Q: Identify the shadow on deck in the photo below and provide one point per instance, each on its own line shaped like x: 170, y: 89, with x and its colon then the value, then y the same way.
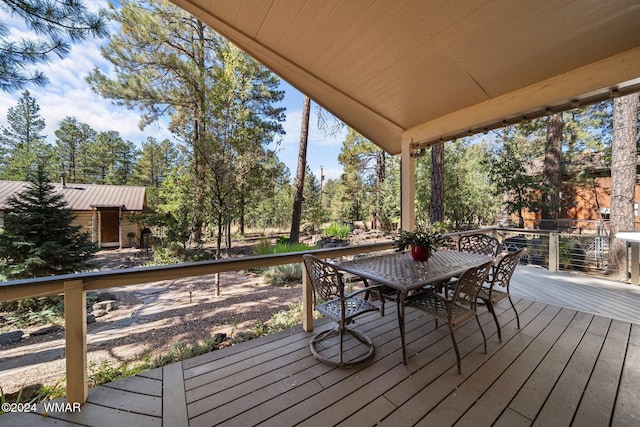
x: 563, y: 367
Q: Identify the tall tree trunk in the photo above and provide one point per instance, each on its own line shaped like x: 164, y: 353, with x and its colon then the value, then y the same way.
x: 381, y: 171
x: 624, y: 155
x: 551, y: 172
x: 296, y: 217
x: 436, y: 210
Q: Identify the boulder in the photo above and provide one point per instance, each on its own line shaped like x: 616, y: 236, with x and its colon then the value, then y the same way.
x: 106, y: 296
x: 10, y: 337
x: 47, y: 330
x: 107, y: 306
x: 99, y: 313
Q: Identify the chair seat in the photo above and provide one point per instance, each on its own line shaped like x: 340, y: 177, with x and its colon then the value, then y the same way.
x: 353, y: 307
x: 496, y: 295
x: 436, y: 307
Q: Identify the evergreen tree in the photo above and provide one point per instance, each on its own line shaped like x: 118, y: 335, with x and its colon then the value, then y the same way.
x: 73, y: 139
x: 50, y: 21
x: 22, y: 144
x: 39, y: 238
x: 312, y: 211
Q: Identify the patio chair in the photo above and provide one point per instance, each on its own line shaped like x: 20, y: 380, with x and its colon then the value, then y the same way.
x: 479, y: 244
x: 330, y: 299
x: 498, y: 286
x: 456, y: 308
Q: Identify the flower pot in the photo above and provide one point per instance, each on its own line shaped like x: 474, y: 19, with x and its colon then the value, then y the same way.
x: 420, y: 253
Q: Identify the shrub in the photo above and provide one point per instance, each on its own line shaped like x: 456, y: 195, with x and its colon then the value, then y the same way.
x: 34, y: 311
x: 337, y: 230
x: 264, y: 247
x: 283, y: 319
x: 282, y: 275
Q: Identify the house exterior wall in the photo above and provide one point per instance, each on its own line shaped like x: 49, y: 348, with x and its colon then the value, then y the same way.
x: 584, y: 205
x: 89, y: 221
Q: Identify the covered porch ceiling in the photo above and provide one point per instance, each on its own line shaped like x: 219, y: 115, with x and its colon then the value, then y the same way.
x: 423, y: 71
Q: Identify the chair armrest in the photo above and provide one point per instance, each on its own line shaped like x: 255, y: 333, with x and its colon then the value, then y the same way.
x: 365, y: 290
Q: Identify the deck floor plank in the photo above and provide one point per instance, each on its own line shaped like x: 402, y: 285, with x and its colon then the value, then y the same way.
x: 564, y: 399
x: 126, y: 401
x: 627, y: 410
x: 599, y: 397
x: 138, y: 384
x: 98, y: 415
x: 532, y: 396
x: 174, y: 404
x: 420, y: 393
x: 493, y: 402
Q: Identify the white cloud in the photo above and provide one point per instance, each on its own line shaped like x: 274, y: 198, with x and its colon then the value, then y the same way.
x: 69, y: 95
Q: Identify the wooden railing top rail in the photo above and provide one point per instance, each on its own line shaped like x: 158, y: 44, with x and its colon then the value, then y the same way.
x: 51, y: 285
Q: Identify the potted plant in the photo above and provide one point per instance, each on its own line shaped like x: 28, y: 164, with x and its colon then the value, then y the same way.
x: 422, y: 243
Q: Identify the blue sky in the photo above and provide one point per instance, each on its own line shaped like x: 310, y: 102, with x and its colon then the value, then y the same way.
x: 68, y: 94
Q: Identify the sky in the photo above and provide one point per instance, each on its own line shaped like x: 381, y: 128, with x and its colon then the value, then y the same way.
x: 68, y: 94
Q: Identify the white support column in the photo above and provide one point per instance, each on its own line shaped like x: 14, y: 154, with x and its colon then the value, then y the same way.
x: 307, y: 301
x: 554, y: 252
x: 635, y: 263
x: 75, y: 316
x: 407, y: 188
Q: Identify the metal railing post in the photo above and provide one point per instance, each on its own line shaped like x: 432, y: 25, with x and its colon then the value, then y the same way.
x: 75, y: 315
x: 554, y: 252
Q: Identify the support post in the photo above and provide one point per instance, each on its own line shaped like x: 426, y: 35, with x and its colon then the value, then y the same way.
x: 554, y: 252
x: 407, y: 188
x: 635, y: 263
x: 75, y: 316
x: 307, y: 301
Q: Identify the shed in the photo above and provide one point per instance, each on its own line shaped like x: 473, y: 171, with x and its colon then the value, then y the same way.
x: 104, y: 211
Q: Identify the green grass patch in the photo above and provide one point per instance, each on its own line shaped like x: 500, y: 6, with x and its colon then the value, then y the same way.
x: 337, y: 230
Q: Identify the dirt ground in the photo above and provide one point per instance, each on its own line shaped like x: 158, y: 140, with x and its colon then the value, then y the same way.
x: 150, y: 318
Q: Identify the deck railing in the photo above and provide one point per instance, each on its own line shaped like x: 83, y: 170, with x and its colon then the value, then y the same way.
x: 75, y: 286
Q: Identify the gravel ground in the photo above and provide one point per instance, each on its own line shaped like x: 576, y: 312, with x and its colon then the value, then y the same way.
x: 149, y: 319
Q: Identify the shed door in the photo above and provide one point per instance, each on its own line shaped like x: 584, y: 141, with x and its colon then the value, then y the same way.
x: 109, y: 226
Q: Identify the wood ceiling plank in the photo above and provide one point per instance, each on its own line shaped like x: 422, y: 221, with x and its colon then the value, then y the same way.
x: 311, y: 17
x: 225, y: 10
x: 367, y: 25
x: 560, y: 88
x: 278, y: 21
x: 252, y: 13
x: 565, y: 38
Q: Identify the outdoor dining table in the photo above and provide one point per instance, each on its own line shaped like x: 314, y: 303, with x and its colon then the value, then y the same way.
x: 400, y: 272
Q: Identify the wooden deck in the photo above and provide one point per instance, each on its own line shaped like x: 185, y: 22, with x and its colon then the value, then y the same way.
x: 563, y: 367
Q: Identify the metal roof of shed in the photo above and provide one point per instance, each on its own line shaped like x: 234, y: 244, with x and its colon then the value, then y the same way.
x: 85, y: 197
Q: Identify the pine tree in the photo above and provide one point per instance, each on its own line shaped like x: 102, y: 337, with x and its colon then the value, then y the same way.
x: 53, y: 25
x: 39, y: 238
x: 23, y: 145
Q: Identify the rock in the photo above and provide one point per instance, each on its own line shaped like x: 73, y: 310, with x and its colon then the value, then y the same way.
x: 107, y: 306
x: 91, y: 319
x: 10, y: 337
x: 99, y: 312
x: 106, y: 296
x: 243, y: 336
x: 47, y: 330
x: 26, y: 394
x: 219, y: 337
